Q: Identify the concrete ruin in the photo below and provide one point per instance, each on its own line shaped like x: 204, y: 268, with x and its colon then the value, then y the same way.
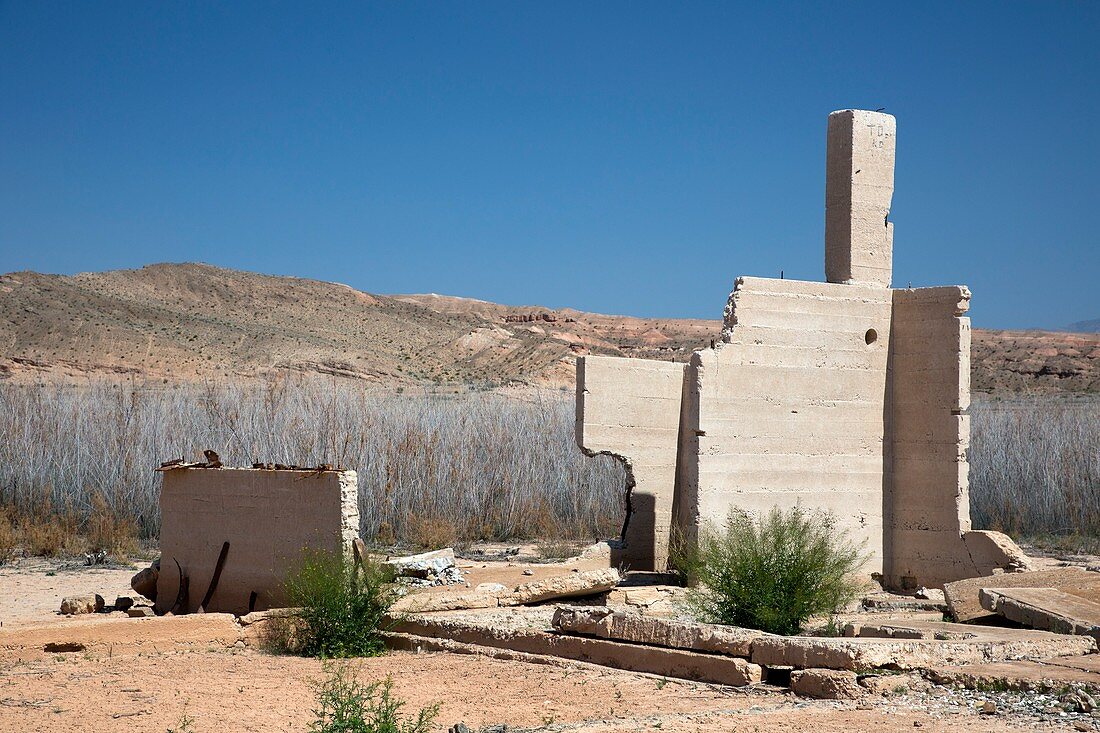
x: 235, y: 533
x: 846, y: 395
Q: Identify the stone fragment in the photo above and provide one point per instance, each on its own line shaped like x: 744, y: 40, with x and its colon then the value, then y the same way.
x: 965, y: 604
x: 424, y: 565
x: 123, y: 603
x: 826, y: 684
x: 1048, y: 609
x: 573, y: 585
x: 490, y: 588
x: 602, y: 622
x: 140, y: 612
x: 74, y: 605
x: 145, y: 581
x: 931, y: 594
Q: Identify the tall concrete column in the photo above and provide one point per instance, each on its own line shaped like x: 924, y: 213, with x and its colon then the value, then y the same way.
x: 859, y: 188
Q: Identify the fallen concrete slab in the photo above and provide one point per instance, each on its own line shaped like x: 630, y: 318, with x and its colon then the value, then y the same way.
x: 857, y: 654
x: 1048, y: 609
x: 965, y: 605
x: 571, y: 585
x: 826, y: 684
x: 529, y: 633
x: 604, y: 623
x: 1039, y: 675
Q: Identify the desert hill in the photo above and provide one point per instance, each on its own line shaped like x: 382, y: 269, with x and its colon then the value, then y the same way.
x: 187, y: 322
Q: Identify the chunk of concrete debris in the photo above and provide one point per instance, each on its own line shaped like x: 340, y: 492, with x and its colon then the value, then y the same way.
x: 1048, y: 609
x: 826, y: 684
x: 963, y: 595
x: 140, y: 612
x: 604, y: 623
x: 74, y: 605
x: 123, y: 603
x: 145, y: 581
x: 573, y: 585
x: 423, y: 565
x: 428, y: 569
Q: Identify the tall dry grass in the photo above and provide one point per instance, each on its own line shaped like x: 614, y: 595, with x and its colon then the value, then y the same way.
x: 1035, y: 466
x: 433, y: 469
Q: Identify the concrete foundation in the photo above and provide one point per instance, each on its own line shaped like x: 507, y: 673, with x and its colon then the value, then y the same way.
x: 846, y: 396
x: 267, y: 517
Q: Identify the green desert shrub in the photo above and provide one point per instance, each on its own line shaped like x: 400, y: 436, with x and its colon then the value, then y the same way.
x: 345, y: 705
x: 340, y: 607
x: 772, y: 573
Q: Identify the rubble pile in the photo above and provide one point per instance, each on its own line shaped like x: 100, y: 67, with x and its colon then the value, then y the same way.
x: 427, y: 570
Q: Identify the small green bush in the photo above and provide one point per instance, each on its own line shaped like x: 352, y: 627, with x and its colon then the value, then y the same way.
x: 344, y: 705
x: 774, y: 573
x: 341, y: 607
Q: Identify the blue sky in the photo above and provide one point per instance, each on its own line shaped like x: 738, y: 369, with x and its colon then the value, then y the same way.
x: 617, y: 157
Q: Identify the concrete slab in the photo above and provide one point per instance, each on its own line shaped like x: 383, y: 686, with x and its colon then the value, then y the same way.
x: 1048, y: 609
x: 528, y: 631
x: 635, y: 628
x: 987, y: 645
x: 1043, y: 674
x: 965, y: 605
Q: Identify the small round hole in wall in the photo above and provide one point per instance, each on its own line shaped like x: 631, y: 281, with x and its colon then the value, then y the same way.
x: 871, y: 336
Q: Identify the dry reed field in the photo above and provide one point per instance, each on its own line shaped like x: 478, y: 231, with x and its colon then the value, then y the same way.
x: 76, y: 463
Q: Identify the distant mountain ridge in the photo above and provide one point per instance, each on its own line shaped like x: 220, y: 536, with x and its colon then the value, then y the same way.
x: 1092, y: 326
x: 190, y: 322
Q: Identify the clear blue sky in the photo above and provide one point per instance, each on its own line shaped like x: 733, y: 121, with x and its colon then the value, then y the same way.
x: 617, y: 157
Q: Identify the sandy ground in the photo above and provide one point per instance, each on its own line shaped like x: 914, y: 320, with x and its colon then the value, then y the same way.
x: 155, y: 687
x: 31, y: 589
x: 246, y: 690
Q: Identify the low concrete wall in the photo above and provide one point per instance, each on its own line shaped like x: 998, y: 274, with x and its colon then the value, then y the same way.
x: 268, y: 518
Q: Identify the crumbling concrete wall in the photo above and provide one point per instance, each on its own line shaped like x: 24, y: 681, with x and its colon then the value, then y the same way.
x: 630, y: 409
x: 789, y: 408
x: 845, y: 396
x: 268, y: 518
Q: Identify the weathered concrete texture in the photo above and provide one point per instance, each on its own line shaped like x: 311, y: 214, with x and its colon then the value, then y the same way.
x: 1044, y: 608
x: 604, y: 623
x: 570, y: 585
x: 826, y: 684
x: 268, y: 518
x: 789, y: 408
x: 870, y: 653
x: 965, y: 604
x: 1043, y: 674
x: 525, y: 633
x: 630, y: 408
x: 929, y: 389
x: 859, y: 188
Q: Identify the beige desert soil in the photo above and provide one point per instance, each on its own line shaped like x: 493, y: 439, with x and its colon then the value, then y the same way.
x: 247, y: 690
x: 149, y: 674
